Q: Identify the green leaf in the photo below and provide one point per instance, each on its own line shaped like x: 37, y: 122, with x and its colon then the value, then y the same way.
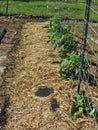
x: 76, y: 110
x: 79, y: 111
x: 64, y: 63
x: 92, y: 113
x: 77, y: 106
x: 78, y: 97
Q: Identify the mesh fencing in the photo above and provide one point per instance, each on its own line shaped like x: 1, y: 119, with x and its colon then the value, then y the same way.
x: 88, y: 77
x: 89, y: 82
x: 67, y: 7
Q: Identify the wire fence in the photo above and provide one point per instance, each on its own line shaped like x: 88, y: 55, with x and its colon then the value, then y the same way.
x: 89, y: 82
x: 67, y: 7
x: 88, y: 77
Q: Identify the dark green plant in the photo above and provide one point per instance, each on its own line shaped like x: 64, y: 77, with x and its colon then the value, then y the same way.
x: 54, y: 24
x: 82, y: 104
x: 77, y: 105
x: 61, y: 37
x: 68, y: 45
x: 69, y: 66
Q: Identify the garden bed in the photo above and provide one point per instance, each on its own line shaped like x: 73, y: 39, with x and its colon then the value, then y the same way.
x: 32, y: 64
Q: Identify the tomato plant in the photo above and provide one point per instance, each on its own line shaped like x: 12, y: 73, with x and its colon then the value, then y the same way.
x: 60, y: 36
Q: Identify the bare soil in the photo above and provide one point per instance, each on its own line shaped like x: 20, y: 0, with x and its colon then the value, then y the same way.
x: 31, y: 64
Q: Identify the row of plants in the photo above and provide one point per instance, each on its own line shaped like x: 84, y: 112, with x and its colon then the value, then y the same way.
x: 62, y: 38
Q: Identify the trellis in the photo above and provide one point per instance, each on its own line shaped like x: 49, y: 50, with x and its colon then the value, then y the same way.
x: 89, y: 83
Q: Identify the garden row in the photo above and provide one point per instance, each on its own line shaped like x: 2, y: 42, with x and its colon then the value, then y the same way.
x: 62, y: 38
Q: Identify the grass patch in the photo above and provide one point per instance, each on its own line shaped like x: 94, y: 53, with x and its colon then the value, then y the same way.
x: 47, y: 8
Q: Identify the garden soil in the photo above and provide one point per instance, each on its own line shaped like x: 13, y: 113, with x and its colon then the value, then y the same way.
x: 32, y: 64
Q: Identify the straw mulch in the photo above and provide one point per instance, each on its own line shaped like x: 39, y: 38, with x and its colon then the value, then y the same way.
x: 34, y: 68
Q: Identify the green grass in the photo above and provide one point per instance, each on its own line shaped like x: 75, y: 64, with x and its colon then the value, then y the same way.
x: 47, y: 8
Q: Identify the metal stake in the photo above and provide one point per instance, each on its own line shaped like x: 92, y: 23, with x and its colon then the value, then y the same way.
x: 87, y: 15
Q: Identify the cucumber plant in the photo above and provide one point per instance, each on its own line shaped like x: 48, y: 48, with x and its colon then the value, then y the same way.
x: 62, y: 37
x: 82, y: 105
x: 69, y: 66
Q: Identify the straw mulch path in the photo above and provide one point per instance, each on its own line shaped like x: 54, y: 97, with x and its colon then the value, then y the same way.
x: 34, y: 68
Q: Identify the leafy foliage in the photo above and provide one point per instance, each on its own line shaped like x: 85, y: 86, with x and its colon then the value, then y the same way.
x: 54, y: 24
x: 77, y: 106
x: 61, y: 37
x: 69, y: 66
x: 82, y: 104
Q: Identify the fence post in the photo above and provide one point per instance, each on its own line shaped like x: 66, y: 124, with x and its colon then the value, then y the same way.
x: 87, y: 15
x: 7, y: 8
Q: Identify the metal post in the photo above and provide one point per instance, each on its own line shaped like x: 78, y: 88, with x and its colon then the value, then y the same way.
x: 7, y: 8
x: 87, y: 15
